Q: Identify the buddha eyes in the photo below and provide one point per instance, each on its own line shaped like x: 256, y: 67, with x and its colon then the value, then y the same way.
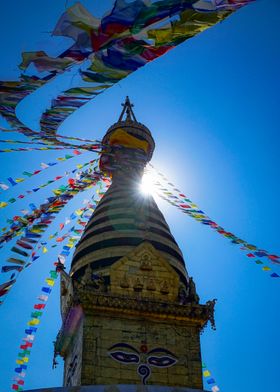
x: 124, y: 357
x: 158, y: 357
x: 161, y: 361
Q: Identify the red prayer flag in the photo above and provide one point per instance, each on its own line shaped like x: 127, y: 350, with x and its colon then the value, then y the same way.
x: 39, y: 306
x: 273, y: 257
x: 250, y: 255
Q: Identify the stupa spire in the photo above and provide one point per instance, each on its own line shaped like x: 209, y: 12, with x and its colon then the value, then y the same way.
x: 128, y: 111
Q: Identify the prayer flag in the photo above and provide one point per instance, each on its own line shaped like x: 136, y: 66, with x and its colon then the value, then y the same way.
x: 44, y: 165
x: 39, y: 306
x: 3, y: 186
x: 5, y: 287
x: 19, y: 251
x: 46, y: 290
x: 50, y: 281
x: 7, y: 268
x: 43, y: 298
x: 27, y: 174
x: 16, y: 261
x: 24, y: 245
x: 11, y: 181
x: 33, y: 322
x: 266, y: 268
x: 36, y: 314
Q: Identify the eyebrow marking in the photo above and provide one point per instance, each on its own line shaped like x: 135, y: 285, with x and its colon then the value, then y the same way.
x: 124, y: 345
x: 162, y: 351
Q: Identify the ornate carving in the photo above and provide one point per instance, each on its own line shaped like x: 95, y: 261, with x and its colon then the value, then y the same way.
x: 211, y: 309
x: 196, y: 313
x: 138, y: 285
x: 151, y: 285
x: 87, y: 277
x: 147, y: 272
x: 124, y: 283
x: 192, y: 294
x: 145, y: 262
x: 164, y: 287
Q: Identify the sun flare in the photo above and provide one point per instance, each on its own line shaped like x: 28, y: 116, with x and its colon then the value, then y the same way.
x: 147, y: 186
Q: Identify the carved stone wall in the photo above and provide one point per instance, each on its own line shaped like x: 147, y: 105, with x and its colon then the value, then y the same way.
x: 138, y: 327
x: 73, y: 361
x: 124, y: 349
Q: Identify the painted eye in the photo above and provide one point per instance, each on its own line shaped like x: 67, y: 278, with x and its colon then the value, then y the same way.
x: 124, y: 357
x: 162, y: 361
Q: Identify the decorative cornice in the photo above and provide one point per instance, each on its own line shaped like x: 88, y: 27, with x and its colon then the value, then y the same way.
x: 194, y: 313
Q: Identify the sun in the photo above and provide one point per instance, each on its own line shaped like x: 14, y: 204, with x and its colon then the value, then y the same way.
x: 147, y: 186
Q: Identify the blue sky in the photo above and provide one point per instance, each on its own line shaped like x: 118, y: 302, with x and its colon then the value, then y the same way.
x: 212, y: 105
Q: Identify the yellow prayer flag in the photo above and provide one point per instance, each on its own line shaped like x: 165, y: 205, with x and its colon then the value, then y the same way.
x: 57, y: 192
x: 206, y: 373
x: 25, y: 359
x: 50, y: 281
x: 45, y: 249
x: 19, y: 179
x: 266, y: 268
x: 3, y: 204
x: 33, y: 322
x: 19, y: 361
x: 79, y: 166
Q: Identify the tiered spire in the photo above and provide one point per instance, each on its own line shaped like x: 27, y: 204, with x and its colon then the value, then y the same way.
x: 127, y: 109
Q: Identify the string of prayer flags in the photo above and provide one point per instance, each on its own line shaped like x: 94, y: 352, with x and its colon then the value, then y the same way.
x: 36, y: 189
x: 43, y: 166
x: 30, y: 333
x: 34, y: 149
x: 33, y: 323
x: 41, y: 228
x: 54, y: 204
x: 209, y: 379
x: 167, y: 191
x: 113, y: 48
x: 43, y: 62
